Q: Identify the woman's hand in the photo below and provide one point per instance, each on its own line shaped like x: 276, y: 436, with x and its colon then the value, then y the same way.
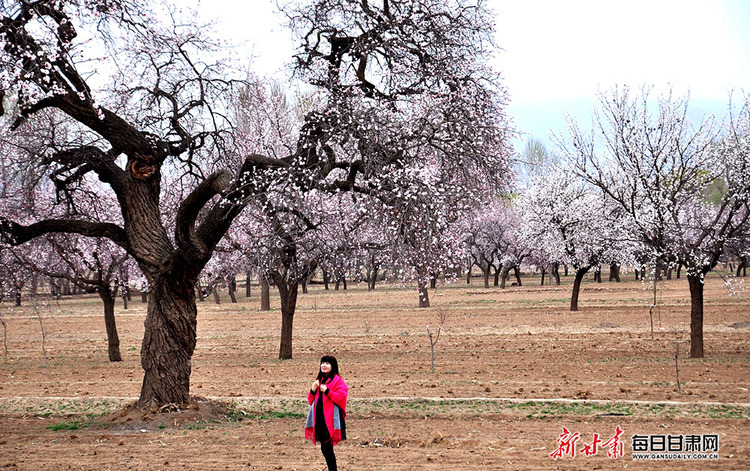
x: 323, y: 388
x: 315, y: 386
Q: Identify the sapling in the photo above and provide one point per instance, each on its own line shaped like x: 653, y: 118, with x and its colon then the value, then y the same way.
x: 5, y: 335
x: 676, y: 364
x: 441, y: 320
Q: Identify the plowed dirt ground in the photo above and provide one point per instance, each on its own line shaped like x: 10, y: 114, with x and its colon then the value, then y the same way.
x: 512, y: 368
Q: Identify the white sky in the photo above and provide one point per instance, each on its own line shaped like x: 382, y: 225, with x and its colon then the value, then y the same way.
x: 558, y: 53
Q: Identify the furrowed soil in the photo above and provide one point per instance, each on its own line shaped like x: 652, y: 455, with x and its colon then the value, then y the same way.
x: 513, y: 367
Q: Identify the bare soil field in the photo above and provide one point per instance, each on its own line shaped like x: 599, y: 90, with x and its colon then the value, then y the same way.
x: 512, y: 368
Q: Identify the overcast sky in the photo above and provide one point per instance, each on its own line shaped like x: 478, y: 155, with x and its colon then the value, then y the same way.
x: 558, y: 54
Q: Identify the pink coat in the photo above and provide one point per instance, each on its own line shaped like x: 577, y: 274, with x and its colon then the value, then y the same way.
x: 337, y: 394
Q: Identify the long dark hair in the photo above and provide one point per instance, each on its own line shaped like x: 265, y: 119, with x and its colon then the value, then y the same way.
x: 334, y: 368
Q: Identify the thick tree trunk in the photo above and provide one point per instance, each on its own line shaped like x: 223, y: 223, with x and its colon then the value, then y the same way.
x: 577, y: 287
x: 468, y: 276
x: 598, y: 274
x: 340, y: 282
x: 17, y: 293
x: 555, y: 271
x: 288, y: 296
x: 486, y: 275
x: 34, y: 285
x: 742, y: 267
x: 168, y: 342
x: 326, y: 279
x: 433, y: 280
x: 565, y: 270
x: 543, y: 273
x: 504, y: 277
x: 496, y: 281
x: 679, y: 269
x: 144, y: 296
x: 696, y: 316
x: 125, y: 298
x: 517, y: 272
x: 424, y: 294
x: 113, y: 340
x: 265, y: 295
x: 247, y: 285
x: 232, y: 287
x: 614, y: 272
x: 217, y: 297
x: 201, y: 294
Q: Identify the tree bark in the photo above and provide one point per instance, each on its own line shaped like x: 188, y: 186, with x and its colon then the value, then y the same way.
x: 543, y: 273
x: 247, y: 285
x: 504, y: 276
x: 215, y: 291
x: 288, y: 295
x: 496, y: 281
x: 517, y: 272
x: 265, y: 295
x: 17, y: 293
x: 614, y: 272
x: 168, y: 342
x: 199, y: 287
x: 486, y: 275
x: 113, y: 340
x: 696, y: 316
x: 580, y: 273
x: 555, y: 271
x: 232, y: 287
x: 424, y: 294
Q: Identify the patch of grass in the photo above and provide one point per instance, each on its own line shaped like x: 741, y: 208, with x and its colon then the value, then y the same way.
x: 70, y: 425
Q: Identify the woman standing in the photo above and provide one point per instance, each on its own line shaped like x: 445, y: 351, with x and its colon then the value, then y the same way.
x: 327, y: 398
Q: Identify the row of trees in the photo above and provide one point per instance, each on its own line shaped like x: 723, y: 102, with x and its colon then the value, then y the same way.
x: 396, y: 156
x: 560, y: 218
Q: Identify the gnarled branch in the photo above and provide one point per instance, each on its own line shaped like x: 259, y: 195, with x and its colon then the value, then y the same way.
x: 16, y: 234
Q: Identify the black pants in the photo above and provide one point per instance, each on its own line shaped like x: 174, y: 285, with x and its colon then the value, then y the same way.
x: 327, y: 449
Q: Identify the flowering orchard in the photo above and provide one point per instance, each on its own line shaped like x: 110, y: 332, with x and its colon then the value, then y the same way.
x: 399, y: 88
x: 680, y: 188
